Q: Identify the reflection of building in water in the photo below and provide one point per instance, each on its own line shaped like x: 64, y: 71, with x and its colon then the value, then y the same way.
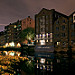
x: 44, y: 61
x: 63, y: 64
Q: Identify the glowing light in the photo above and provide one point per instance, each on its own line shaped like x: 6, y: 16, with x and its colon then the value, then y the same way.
x: 12, y: 53
x: 42, y: 42
x: 42, y: 60
x: 7, y: 45
x: 12, y: 44
x: 18, y: 45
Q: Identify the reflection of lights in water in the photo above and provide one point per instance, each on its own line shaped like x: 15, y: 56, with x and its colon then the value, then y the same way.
x: 42, y: 42
x: 37, y: 66
x: 42, y: 60
x: 12, y: 53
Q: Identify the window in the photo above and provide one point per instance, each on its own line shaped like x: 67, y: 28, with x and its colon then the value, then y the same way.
x: 46, y: 19
x: 63, y: 34
x: 63, y: 27
x: 47, y: 35
x: 50, y: 35
x: 57, y: 28
x: 58, y: 43
x: 72, y: 26
x: 57, y: 22
x: 43, y: 36
x: 14, y: 26
x: 37, y: 36
x: 72, y: 33
x: 47, y: 41
x: 42, y: 42
x: 50, y: 40
x: 57, y: 35
x: 63, y: 21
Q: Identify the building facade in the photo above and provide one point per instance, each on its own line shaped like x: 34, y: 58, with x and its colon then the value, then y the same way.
x: 27, y: 22
x: 51, y: 29
x: 72, y: 31
x: 12, y: 32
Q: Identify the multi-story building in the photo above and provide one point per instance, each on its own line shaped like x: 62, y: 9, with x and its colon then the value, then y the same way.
x: 72, y: 31
x: 51, y: 29
x: 12, y: 32
x: 60, y: 32
x: 2, y: 38
x: 27, y: 22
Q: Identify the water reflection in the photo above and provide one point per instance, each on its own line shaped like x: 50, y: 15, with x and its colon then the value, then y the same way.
x: 58, y: 64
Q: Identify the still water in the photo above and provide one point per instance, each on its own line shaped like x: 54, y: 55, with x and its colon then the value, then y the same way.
x: 45, y: 64
x: 55, y: 64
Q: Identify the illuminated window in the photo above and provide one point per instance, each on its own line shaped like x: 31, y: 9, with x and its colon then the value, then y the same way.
x: 47, y: 41
x: 42, y: 42
x: 50, y: 40
x: 43, y: 36
x: 58, y: 43
x: 73, y: 18
x: 47, y: 35
x: 40, y: 35
x: 37, y: 41
x: 14, y: 26
x: 37, y: 36
x: 50, y: 35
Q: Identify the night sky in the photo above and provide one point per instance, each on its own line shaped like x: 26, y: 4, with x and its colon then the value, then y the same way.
x: 12, y: 10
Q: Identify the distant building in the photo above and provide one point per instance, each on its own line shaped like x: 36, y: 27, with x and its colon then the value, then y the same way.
x: 2, y: 38
x: 52, y: 31
x: 12, y: 32
x: 27, y: 22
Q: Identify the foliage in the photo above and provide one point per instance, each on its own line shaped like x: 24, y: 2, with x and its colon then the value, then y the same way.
x: 27, y: 34
x: 27, y: 66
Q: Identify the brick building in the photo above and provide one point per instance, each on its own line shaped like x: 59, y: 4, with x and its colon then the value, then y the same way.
x: 72, y: 31
x: 53, y: 31
x: 12, y: 32
x: 27, y: 22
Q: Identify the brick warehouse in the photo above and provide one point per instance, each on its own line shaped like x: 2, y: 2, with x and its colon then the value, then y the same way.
x: 54, y: 31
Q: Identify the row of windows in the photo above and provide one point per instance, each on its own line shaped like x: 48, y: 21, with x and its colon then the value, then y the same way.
x: 63, y: 28
x: 62, y: 34
x: 47, y: 35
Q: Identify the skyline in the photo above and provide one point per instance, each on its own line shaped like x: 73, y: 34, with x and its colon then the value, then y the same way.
x: 12, y: 10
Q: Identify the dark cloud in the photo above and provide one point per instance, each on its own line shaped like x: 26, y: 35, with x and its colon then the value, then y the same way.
x: 12, y: 10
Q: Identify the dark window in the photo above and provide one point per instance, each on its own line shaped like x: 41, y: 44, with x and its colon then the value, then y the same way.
x: 72, y: 26
x: 57, y: 28
x: 57, y: 22
x: 63, y: 34
x: 57, y: 35
x: 72, y: 33
x: 63, y: 21
x: 74, y: 17
x: 63, y: 27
